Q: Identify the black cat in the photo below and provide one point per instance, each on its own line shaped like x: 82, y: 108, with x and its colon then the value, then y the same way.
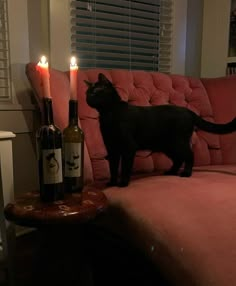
x: 127, y: 128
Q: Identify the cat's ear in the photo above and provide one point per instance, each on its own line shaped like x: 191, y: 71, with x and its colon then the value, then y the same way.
x: 88, y: 83
x: 102, y: 78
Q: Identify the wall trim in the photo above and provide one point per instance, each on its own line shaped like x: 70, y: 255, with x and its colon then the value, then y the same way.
x: 14, y: 107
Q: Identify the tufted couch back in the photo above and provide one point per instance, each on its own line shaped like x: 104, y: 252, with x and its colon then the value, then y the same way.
x: 212, y: 99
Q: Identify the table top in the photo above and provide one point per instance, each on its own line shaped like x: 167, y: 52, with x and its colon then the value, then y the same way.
x: 6, y: 135
x: 29, y: 210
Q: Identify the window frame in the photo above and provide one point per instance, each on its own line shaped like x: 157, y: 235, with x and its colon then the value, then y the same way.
x: 139, y: 49
x: 60, y: 21
x: 5, y: 61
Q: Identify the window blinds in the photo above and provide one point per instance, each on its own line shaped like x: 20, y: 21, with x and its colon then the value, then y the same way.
x: 4, y: 54
x: 129, y: 34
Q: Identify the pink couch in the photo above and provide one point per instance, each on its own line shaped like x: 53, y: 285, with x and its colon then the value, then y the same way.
x: 187, y: 226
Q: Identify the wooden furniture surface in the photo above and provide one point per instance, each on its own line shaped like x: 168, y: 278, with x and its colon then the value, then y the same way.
x: 28, y: 210
x: 62, y: 256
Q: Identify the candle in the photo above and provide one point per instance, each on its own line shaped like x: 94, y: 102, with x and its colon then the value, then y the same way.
x: 43, y: 68
x: 73, y: 78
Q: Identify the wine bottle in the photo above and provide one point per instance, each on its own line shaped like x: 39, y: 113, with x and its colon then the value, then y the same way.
x: 73, y: 139
x: 49, y: 145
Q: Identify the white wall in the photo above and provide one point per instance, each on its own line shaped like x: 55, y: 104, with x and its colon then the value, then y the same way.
x: 179, y: 36
x: 215, y: 37
x: 194, y: 38
x: 60, y: 42
x: 38, y: 23
x: 18, y: 117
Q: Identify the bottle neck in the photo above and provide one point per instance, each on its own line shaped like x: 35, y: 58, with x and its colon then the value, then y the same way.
x: 73, y: 112
x: 48, y: 112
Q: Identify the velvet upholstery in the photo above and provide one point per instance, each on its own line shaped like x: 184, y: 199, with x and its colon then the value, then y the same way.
x: 186, y: 225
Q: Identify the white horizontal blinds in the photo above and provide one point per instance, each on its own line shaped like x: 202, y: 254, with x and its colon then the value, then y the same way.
x: 165, y: 36
x: 4, y: 54
x: 116, y: 34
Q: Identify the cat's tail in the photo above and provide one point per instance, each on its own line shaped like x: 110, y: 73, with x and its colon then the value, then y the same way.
x: 214, y: 127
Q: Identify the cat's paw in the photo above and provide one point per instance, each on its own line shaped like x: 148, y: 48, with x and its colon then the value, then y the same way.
x: 123, y: 184
x: 111, y: 184
x: 186, y: 174
x: 170, y: 173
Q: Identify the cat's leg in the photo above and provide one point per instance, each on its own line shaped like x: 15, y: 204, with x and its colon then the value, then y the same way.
x: 177, y: 163
x: 188, y: 160
x: 113, y: 159
x: 176, y: 154
x: 127, y: 160
x: 128, y: 150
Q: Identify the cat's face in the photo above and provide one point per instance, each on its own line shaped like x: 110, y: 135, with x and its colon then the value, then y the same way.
x: 101, y: 94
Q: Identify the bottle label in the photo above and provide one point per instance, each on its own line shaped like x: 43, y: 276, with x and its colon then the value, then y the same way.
x: 52, y: 166
x: 73, y: 159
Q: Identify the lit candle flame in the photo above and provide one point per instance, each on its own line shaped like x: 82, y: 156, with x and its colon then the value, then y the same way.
x: 43, y: 60
x: 73, y: 61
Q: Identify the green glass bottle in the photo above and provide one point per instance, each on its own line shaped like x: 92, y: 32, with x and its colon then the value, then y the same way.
x: 73, y: 138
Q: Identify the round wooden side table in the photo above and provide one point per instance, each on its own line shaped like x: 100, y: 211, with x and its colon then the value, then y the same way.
x: 62, y: 253
x: 29, y: 210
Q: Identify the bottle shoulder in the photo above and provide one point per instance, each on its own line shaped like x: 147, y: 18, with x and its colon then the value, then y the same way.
x: 73, y: 133
x: 73, y: 128
x: 49, y: 129
x: 49, y: 137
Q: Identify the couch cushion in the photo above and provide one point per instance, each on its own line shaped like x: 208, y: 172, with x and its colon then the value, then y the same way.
x: 186, y: 225
x: 222, y: 95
